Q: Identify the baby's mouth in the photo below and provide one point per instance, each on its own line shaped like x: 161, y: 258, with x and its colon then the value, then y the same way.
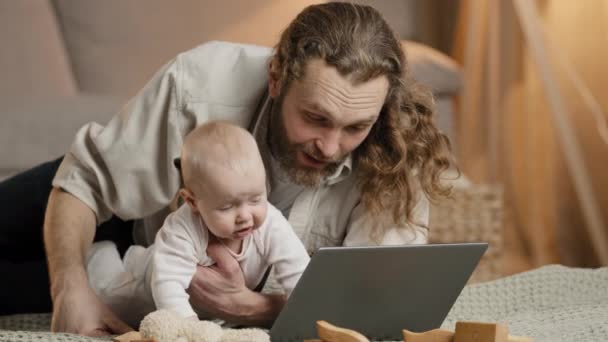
x: 243, y: 232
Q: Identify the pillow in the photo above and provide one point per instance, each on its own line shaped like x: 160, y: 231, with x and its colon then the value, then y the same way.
x: 115, y: 46
x: 41, y: 130
x: 432, y: 68
x: 33, y: 60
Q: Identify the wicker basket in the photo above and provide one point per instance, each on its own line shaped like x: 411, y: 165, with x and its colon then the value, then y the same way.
x: 472, y: 214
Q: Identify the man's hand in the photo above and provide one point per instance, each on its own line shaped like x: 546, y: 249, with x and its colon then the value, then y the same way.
x: 69, y: 227
x: 220, y: 290
x: 81, y: 312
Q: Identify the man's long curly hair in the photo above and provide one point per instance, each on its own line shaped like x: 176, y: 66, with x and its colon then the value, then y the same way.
x: 404, y: 151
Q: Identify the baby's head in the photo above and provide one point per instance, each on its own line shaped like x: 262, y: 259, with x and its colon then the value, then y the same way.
x: 224, y: 179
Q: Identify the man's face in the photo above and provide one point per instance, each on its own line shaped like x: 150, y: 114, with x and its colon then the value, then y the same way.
x: 321, y: 119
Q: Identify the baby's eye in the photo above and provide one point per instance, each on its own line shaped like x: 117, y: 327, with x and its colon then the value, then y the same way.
x: 225, y: 208
x: 256, y: 199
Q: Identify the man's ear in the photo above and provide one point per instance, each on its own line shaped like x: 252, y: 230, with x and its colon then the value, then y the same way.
x: 274, y: 80
x: 189, y: 198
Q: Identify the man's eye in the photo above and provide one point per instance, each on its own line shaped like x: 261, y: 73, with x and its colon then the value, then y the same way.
x: 315, y: 118
x: 356, y: 129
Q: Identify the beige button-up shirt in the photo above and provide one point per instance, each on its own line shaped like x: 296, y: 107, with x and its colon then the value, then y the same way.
x: 126, y: 167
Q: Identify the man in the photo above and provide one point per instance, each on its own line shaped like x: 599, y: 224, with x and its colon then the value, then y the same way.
x: 349, y: 142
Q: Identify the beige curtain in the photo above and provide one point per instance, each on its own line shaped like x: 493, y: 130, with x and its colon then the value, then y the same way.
x: 506, y: 128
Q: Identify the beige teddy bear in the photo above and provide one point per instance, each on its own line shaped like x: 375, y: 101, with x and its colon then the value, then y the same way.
x: 167, y: 326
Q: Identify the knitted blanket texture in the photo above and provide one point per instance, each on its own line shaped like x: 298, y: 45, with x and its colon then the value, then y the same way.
x: 550, y: 304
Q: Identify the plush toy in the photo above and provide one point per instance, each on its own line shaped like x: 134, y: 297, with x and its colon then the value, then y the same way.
x: 167, y: 326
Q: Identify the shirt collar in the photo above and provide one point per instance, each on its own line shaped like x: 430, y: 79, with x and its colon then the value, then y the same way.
x: 343, y: 171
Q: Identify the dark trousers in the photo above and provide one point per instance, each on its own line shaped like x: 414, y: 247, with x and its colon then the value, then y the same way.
x: 24, y: 287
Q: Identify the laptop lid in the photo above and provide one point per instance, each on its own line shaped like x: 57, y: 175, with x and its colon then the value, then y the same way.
x: 377, y: 291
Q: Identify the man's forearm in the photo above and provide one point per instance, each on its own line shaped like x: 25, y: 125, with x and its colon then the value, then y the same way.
x: 69, y: 228
x: 261, y: 309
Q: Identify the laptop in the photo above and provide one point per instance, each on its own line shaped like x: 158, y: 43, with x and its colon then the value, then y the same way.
x: 377, y: 291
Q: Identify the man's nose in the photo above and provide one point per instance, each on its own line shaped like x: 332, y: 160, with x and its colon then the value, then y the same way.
x: 329, y: 143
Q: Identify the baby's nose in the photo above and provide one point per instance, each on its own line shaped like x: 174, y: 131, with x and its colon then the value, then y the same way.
x: 243, y: 217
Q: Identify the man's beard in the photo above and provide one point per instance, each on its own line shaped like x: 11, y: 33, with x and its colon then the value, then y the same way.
x: 285, y: 152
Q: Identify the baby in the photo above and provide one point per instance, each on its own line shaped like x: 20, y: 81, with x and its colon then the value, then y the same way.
x: 225, y: 199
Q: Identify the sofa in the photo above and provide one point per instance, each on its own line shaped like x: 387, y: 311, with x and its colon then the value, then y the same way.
x: 66, y: 62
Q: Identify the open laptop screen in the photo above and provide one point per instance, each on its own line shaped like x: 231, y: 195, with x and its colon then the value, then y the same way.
x: 377, y: 291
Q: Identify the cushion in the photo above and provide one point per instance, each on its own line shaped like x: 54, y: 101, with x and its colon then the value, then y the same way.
x: 116, y: 45
x: 33, y: 59
x: 445, y: 118
x: 42, y: 130
x: 433, y: 68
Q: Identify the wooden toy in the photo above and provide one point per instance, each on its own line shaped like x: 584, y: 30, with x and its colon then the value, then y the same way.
x: 331, y: 333
x: 480, y: 332
x: 128, y: 337
x: 519, y: 339
x: 435, y: 335
x: 465, y: 332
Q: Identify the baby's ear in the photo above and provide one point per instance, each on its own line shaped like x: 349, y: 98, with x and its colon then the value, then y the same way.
x: 189, y: 198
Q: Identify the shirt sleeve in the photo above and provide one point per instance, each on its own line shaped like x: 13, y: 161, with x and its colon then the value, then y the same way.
x: 174, y: 264
x: 126, y: 167
x: 415, y: 232
x: 284, y: 251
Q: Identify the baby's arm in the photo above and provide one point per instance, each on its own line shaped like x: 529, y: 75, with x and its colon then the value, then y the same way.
x: 284, y: 251
x: 174, y: 264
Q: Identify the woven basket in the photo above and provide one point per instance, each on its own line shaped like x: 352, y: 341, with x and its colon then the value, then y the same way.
x: 472, y: 214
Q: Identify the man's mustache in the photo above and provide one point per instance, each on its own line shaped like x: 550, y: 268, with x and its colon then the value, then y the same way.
x: 318, y: 155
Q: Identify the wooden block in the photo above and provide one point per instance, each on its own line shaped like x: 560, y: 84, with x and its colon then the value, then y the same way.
x: 435, y: 335
x: 128, y: 337
x: 480, y: 332
x: 331, y: 333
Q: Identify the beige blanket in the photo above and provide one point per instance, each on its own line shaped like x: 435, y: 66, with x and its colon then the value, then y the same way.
x: 552, y: 303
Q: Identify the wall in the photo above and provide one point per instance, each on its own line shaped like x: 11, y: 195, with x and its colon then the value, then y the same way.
x: 579, y: 31
x: 506, y: 126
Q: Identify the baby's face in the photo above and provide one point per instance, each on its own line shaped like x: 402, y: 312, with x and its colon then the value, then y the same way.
x: 233, y: 203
